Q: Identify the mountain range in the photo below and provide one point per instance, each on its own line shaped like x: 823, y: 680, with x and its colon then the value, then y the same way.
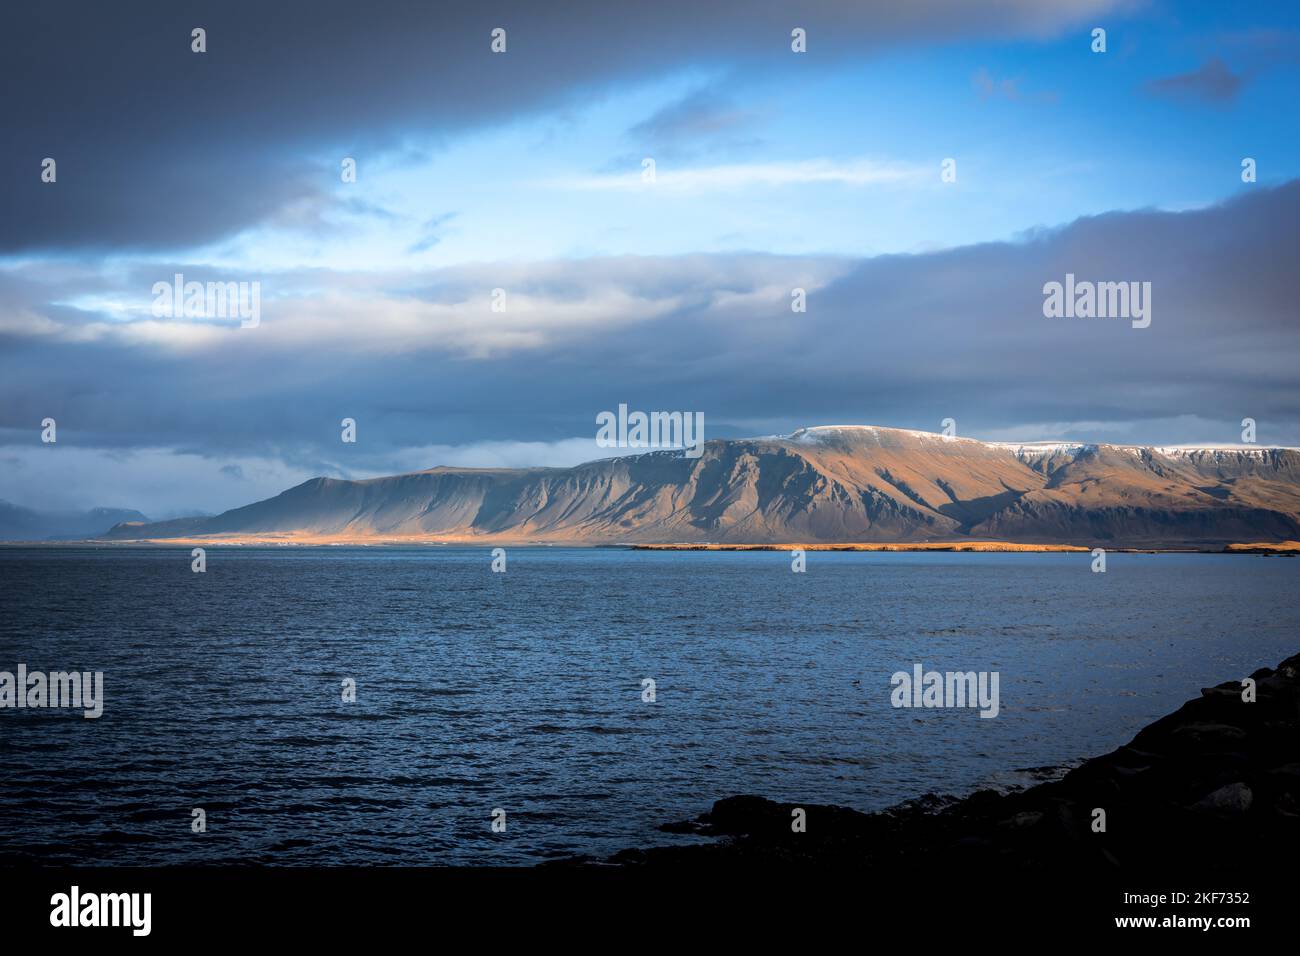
x: 830, y: 484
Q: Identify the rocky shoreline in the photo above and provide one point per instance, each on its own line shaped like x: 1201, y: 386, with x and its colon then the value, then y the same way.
x: 1212, y: 789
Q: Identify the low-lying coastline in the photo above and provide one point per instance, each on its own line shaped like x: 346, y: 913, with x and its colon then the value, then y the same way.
x: 1213, y: 788
x: 997, y: 546
x: 1281, y: 547
x: 291, y: 539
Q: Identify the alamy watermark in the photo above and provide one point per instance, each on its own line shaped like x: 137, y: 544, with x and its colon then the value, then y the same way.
x: 653, y: 430
x: 1098, y: 300
x: 68, y: 689
x: 210, y: 300
x: 75, y: 908
x: 923, y: 688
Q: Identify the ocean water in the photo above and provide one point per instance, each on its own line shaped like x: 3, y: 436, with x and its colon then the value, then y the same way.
x: 522, y: 691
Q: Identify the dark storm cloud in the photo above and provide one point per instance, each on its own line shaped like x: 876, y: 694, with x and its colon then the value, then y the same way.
x: 160, y: 147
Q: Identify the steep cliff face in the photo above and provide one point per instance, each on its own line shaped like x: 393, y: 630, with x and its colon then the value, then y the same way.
x: 833, y: 484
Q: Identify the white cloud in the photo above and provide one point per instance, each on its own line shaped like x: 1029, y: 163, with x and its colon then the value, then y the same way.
x: 861, y: 172
x: 155, y: 481
x: 503, y: 454
x: 447, y: 310
x: 162, y: 481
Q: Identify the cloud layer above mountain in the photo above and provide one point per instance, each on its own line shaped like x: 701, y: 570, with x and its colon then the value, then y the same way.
x: 421, y: 359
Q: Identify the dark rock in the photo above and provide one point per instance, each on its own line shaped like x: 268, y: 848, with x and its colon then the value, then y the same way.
x: 1234, y: 798
x: 1213, y: 787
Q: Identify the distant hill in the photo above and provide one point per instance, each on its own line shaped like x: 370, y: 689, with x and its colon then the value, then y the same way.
x: 828, y: 484
x: 24, y: 524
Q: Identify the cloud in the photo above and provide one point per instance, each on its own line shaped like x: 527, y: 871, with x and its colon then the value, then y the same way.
x: 1212, y: 82
x: 157, y: 481
x: 702, y: 116
x: 445, y: 311
x: 205, y: 146
x: 421, y: 362
x: 989, y: 87
x: 860, y: 172
x: 172, y: 482
x: 430, y: 233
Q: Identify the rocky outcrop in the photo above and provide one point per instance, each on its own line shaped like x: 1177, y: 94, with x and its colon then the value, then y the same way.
x: 1213, y: 788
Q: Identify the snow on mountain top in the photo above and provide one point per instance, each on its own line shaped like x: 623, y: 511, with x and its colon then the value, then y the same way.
x: 1041, y: 447
x: 1246, y: 449
x: 814, y: 434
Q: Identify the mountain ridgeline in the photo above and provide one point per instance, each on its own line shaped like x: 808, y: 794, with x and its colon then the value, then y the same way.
x: 820, y: 485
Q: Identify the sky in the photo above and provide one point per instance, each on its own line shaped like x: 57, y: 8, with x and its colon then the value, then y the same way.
x: 524, y: 171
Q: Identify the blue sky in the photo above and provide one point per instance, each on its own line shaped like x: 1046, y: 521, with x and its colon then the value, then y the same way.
x: 1063, y: 132
x: 522, y: 171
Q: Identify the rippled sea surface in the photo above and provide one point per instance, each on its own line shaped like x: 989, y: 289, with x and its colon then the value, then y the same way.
x: 523, y: 690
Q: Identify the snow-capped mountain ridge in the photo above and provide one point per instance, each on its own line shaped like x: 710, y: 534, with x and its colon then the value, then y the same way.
x: 827, y: 484
x: 820, y: 433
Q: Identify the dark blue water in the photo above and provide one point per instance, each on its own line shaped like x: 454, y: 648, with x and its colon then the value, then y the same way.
x: 522, y: 690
